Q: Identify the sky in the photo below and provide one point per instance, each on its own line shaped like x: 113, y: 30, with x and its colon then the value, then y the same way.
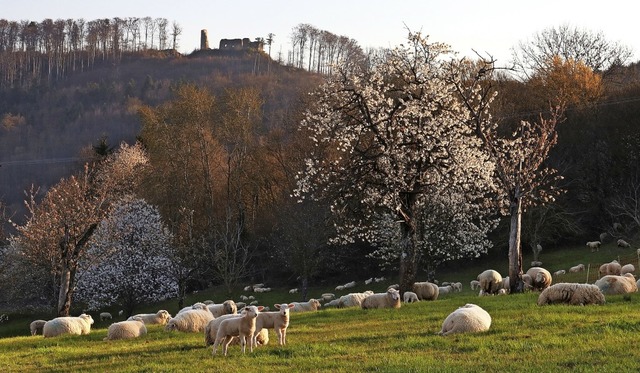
x: 489, y: 27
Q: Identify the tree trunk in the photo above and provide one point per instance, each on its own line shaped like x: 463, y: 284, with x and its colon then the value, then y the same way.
x: 515, y: 250
x: 64, y: 295
x: 410, y: 257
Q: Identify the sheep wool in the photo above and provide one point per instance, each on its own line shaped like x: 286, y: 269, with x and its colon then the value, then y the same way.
x: 426, y: 290
x: 613, y: 268
x: 105, y: 316
x: 310, y: 305
x: 161, y: 317
x: 571, y: 293
x: 627, y: 268
x: 126, y: 330
x: 490, y: 281
x: 211, y: 329
x: 36, y: 327
x: 612, y: 284
x: 390, y: 299
x: 409, y: 297
x: 80, y: 325
x: 539, y: 278
x: 469, y: 318
x: 190, y: 321
x: 226, y: 308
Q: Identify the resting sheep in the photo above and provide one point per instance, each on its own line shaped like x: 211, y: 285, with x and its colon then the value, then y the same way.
x: 627, y: 268
x: 161, y: 317
x: 333, y: 303
x: 490, y: 282
x: 36, y: 327
x: 560, y: 272
x: 539, y: 278
x: 410, y: 297
x: 594, y: 245
x: 426, y: 290
x: 469, y: 318
x: 353, y: 299
x: 578, y: 268
x: 328, y: 297
x: 243, y: 327
x: 227, y: 307
x: 571, y: 293
x: 310, y: 305
x: 190, y: 321
x: 105, y: 316
x: 390, y: 299
x: 611, y: 284
x: 80, y: 325
x: 126, y: 330
x: 613, y: 268
x: 195, y: 306
x: 623, y: 243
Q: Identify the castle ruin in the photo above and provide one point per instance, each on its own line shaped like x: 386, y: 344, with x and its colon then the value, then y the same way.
x: 240, y: 44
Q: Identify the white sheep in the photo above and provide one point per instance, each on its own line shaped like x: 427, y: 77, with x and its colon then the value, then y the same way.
x: 276, y: 320
x: 457, y: 286
x: 340, y: 287
x: 612, y: 268
x: 572, y: 294
x: 349, y: 285
x: 261, y: 290
x: 490, y: 281
x: 378, y: 279
x: 293, y: 291
x: 36, y: 327
x: 105, y: 316
x: 612, y: 284
x: 332, y: 303
x: 390, y: 299
x: 244, y: 298
x: 506, y: 284
x: 211, y: 329
x: 243, y: 327
x: 256, y: 286
x: 577, y: 268
x: 539, y: 278
x: 190, y: 321
x: 623, y: 243
x: 474, y: 284
x: 410, y: 297
x: 536, y: 263
x: 227, y: 307
x: 80, y: 325
x: 126, y: 330
x: 425, y: 290
x: 310, y: 305
x: 469, y: 318
x: 161, y: 317
x: 195, y: 306
x: 448, y: 289
x: 328, y: 297
x: 560, y: 272
x: 594, y: 245
x: 627, y: 268
x: 353, y: 299
x: 368, y: 281
x: 248, y: 288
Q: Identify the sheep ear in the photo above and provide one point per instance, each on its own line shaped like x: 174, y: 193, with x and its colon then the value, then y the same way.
x: 291, y: 305
x: 276, y: 305
x: 260, y: 308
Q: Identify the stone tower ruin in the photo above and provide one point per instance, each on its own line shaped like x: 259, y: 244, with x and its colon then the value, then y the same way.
x: 204, y: 40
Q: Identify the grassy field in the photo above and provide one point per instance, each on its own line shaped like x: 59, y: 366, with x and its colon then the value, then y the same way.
x: 523, y: 337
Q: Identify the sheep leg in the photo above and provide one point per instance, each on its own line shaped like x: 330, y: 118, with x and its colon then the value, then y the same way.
x: 227, y: 341
x: 215, y: 346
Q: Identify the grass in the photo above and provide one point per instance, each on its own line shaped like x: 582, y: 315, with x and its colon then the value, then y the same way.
x: 523, y: 337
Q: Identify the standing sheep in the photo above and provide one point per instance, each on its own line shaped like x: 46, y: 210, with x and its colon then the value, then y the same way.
x: 611, y: 284
x: 80, y: 325
x: 390, y: 299
x: 627, y: 268
x: 572, y: 294
x: 310, y: 305
x: 539, y: 278
x: 490, y: 281
x: 105, y: 316
x: 126, y: 330
x: 577, y: 268
x: 190, y: 321
x: 211, y: 329
x: 243, y: 327
x: 276, y: 320
x: 161, y: 317
x: 594, y: 245
x: 469, y: 318
x: 36, y: 327
x: 226, y: 308
x: 474, y: 284
x: 410, y: 297
x: 426, y: 290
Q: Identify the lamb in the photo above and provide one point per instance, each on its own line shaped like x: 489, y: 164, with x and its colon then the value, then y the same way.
x: 36, y: 327
x: 539, y: 278
x: 469, y: 318
x: 594, y: 245
x: 227, y: 307
x: 560, y: 272
x: 627, y: 268
x: 426, y: 290
x: 161, y: 317
x: 490, y: 281
x: 623, y: 243
x: 572, y: 294
x: 410, y: 297
x: 613, y: 268
x: 190, y: 321
x: 390, y: 299
x: 126, y: 330
x: 276, y: 320
x: 211, y: 329
x: 293, y: 291
x: 577, y: 268
x: 445, y: 289
x: 611, y: 284
x: 353, y: 299
x: 457, y: 286
x: 474, y: 284
x: 310, y: 305
x: 105, y: 316
x: 80, y: 325
x: 243, y: 327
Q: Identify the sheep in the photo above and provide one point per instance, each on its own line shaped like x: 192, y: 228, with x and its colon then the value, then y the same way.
x: 248, y: 288
x: 161, y: 317
x: 506, y: 284
x: 394, y: 286
x: 560, y: 272
x: 390, y: 299
x: 190, y: 321
x: 80, y: 325
x: 276, y: 320
x: 328, y: 297
x: 490, y: 281
x: 310, y: 305
x: 293, y: 291
x: 262, y: 290
x: 227, y: 307
x: 577, y: 268
x: 378, y: 279
x: 445, y: 289
x: 340, y: 287
x: 622, y: 243
x: 572, y: 294
x: 126, y: 330
x: 611, y: 284
x: 349, y: 285
x: 627, y: 268
x: 36, y: 327
x: 256, y: 286
x: 211, y: 329
x: 368, y: 281
x: 105, y: 316
x: 457, y: 286
x: 539, y: 278
x: 121, y: 312
x: 243, y: 327
x: 426, y: 290
x: 332, y: 303
x: 410, y: 297
x: 244, y: 298
x: 474, y: 284
x: 469, y: 318
x: 594, y: 245
x: 536, y: 263
x: 195, y: 306
x: 613, y: 268
x: 353, y: 299
x: 603, y: 236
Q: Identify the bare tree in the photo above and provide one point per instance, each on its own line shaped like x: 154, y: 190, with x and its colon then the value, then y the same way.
x: 176, y: 31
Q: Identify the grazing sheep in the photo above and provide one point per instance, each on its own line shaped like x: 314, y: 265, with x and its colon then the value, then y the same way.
x: 36, y: 327
x: 622, y: 243
x: 560, y: 272
x: 190, y: 321
x: 613, y: 268
x: 445, y: 289
x: 293, y: 291
x: 353, y: 299
x: 243, y: 327
x: 227, y: 307
x: 390, y: 299
x: 539, y: 278
x: 310, y: 305
x: 506, y: 284
x: 474, y: 284
x: 80, y: 325
x: 161, y: 317
x: 121, y: 312
x: 426, y: 290
x: 105, y: 316
x: 594, y: 245
x: 469, y: 318
x: 126, y: 330
x: 578, y: 268
x: 490, y: 281
x: 410, y: 297
x: 248, y: 288
x: 611, y: 284
x: 571, y: 293
x: 627, y: 268
x: 276, y: 320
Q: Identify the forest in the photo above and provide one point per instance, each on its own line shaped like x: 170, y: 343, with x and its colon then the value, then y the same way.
x: 111, y: 140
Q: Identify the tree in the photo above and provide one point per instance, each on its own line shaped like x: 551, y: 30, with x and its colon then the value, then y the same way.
x: 388, y: 138
x: 176, y: 31
x: 128, y: 261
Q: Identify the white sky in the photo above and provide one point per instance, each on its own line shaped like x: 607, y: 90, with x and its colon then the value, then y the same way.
x: 486, y: 26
